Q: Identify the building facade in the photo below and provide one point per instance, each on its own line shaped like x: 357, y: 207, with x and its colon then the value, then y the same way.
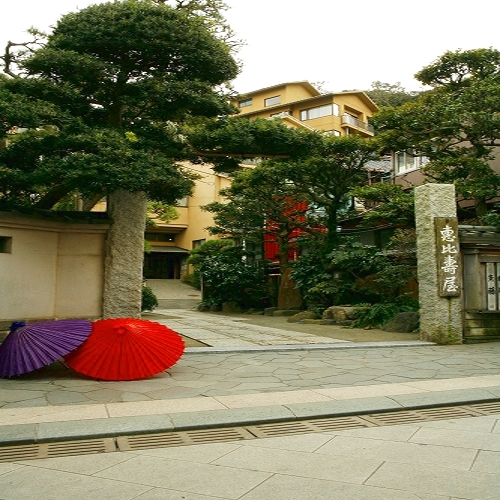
x: 298, y: 104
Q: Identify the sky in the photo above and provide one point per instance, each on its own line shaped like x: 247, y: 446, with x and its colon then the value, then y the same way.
x: 339, y: 45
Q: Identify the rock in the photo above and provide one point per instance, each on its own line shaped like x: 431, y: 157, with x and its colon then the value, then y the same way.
x: 269, y: 311
x: 340, y: 314
x: 231, y: 307
x: 404, y: 322
x: 296, y: 318
x: 285, y: 312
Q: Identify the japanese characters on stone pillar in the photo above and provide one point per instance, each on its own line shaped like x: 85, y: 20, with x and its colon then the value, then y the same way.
x: 448, y: 256
x: 439, y: 264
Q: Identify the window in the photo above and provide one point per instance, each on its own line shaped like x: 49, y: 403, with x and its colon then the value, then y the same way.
x: 183, y: 202
x: 245, y: 102
x: 405, y: 161
x: 197, y: 243
x: 319, y: 111
x: 159, y: 237
x: 271, y: 101
x: 5, y: 244
x: 336, y: 133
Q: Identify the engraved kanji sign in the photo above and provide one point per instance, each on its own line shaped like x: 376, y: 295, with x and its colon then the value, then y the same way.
x: 448, y: 256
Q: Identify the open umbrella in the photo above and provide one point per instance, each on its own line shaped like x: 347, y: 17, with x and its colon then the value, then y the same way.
x: 126, y: 349
x: 31, y: 346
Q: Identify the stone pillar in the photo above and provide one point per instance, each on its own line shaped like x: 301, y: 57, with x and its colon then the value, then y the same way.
x: 440, y: 316
x: 124, y: 255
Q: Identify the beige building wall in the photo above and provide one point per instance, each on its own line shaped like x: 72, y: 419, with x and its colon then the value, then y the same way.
x: 292, y: 98
x: 50, y: 269
x: 189, y: 229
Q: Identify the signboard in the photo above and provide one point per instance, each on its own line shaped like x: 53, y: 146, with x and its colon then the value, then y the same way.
x: 448, y: 256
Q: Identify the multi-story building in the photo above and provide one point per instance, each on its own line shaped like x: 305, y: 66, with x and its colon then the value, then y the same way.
x: 298, y: 104
x: 302, y: 105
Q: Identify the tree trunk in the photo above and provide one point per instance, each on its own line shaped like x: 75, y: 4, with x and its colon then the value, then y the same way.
x: 124, y: 255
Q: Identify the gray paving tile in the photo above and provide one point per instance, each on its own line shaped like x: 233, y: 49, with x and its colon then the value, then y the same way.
x: 457, y: 438
x: 281, y: 487
x: 460, y: 396
x: 473, y: 424
x: 164, y: 494
x: 28, y: 483
x: 9, y: 396
x: 84, y: 429
x: 30, y: 403
x: 344, y: 407
x: 487, y: 461
x: 401, y: 433
x: 392, y: 451
x: 81, y: 464
x: 434, y: 480
x: 9, y: 467
x: 203, y: 479
x: 200, y: 453
x: 295, y: 463
x: 66, y: 397
x: 17, y: 434
x: 237, y: 416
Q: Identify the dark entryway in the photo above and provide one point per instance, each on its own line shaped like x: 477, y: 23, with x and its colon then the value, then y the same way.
x: 163, y: 265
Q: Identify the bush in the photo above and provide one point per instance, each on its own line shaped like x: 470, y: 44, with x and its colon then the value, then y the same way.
x: 228, y: 274
x: 149, y: 300
x: 379, y: 314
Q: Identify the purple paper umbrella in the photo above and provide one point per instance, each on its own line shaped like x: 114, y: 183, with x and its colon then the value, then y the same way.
x: 31, y: 346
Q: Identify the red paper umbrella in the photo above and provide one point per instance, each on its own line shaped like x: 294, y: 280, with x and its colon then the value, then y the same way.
x: 126, y: 349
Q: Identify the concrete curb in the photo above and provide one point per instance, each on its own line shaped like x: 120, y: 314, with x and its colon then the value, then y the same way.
x: 45, y: 432
x: 309, y: 347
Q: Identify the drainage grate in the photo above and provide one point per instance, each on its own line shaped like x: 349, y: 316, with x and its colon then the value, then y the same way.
x: 226, y: 434
x: 486, y: 408
x: 130, y: 443
x: 422, y: 415
x: 58, y: 449
x: 305, y: 426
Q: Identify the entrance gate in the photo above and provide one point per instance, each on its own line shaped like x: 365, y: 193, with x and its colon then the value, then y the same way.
x: 480, y: 248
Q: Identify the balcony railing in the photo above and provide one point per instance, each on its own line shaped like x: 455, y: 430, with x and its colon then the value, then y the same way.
x: 350, y: 120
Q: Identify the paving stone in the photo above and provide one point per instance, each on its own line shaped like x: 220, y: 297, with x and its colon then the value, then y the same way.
x: 118, y: 426
x: 345, y: 407
x: 29, y: 403
x: 17, y: 434
x: 9, y: 396
x: 236, y: 416
x: 66, y: 397
x: 464, y: 396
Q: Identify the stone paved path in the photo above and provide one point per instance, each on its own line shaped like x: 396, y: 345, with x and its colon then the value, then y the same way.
x: 238, y: 373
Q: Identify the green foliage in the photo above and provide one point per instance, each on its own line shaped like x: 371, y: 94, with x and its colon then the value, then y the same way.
x: 386, y: 203
x: 312, y: 278
x: 456, y: 124
x: 354, y: 273
x: 387, y: 94
x: 233, y: 138
x: 228, y: 275
x: 306, y: 193
x: 198, y: 255
x: 261, y: 201
x: 114, y: 79
x: 149, y: 300
x: 491, y: 218
x: 163, y: 211
x: 377, y: 315
x: 461, y: 68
